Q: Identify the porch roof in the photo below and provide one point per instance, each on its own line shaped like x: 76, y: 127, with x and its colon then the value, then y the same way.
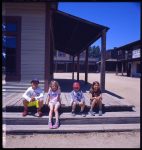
x: 72, y: 34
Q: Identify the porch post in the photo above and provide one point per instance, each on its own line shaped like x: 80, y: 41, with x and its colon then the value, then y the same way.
x: 78, y: 67
x: 117, y: 68
x: 86, y: 66
x: 122, y: 68
x: 72, y: 67
x: 103, y: 53
x: 47, y: 69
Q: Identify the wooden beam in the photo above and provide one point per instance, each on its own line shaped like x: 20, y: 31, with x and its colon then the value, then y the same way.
x: 122, y: 68
x: 72, y: 67
x: 86, y: 66
x: 116, y: 68
x: 103, y: 53
x: 52, y: 49
x: 47, y: 69
x: 78, y: 67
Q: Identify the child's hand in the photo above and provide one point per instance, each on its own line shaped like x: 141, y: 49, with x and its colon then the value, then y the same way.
x: 32, y: 98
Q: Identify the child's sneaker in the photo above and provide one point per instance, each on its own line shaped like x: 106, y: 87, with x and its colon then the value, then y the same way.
x: 73, y: 113
x: 92, y: 113
x: 56, y: 125
x: 100, y: 112
x: 82, y: 114
x: 39, y: 114
x: 25, y: 113
x: 50, y: 125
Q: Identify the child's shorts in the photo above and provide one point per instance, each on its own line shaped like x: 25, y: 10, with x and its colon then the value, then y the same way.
x: 77, y: 102
x: 56, y: 104
x: 34, y: 103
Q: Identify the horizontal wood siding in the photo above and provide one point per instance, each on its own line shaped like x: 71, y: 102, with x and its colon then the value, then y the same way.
x: 32, y: 37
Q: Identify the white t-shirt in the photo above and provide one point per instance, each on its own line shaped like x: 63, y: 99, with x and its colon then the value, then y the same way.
x: 37, y: 93
x: 53, y: 95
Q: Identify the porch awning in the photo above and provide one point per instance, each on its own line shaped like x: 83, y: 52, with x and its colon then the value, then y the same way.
x: 72, y: 34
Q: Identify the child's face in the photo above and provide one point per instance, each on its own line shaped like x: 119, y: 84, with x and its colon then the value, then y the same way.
x: 76, y: 89
x: 96, y: 87
x: 54, y: 87
x: 34, y: 85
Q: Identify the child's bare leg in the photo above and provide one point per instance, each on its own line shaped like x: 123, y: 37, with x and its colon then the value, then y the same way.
x: 100, y: 107
x: 74, y: 106
x: 51, y: 106
x: 40, y: 103
x: 25, y: 103
x: 93, y: 105
x: 100, y: 104
x: 82, y: 105
x: 56, y: 112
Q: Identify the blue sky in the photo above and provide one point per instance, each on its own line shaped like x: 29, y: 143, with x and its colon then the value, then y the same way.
x: 123, y: 19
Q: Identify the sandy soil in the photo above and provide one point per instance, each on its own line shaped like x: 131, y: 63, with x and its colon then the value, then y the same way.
x: 76, y: 140
x: 126, y: 87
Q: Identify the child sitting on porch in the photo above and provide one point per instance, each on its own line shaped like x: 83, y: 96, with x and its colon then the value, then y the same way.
x: 95, y: 98
x: 54, y: 102
x: 77, y: 98
x: 33, y: 96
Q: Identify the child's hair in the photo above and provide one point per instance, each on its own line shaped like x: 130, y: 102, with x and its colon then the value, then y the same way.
x: 53, y: 82
x: 92, y: 86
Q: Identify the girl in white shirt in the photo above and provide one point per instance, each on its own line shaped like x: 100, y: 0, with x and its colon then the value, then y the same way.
x: 54, y: 102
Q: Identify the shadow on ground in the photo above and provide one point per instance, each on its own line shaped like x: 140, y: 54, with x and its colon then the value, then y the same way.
x: 113, y: 94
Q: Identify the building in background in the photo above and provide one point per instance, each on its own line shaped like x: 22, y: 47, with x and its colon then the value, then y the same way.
x: 128, y: 59
x: 63, y: 62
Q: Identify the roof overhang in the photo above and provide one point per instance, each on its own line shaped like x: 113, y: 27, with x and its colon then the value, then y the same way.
x: 72, y: 34
x: 130, y: 46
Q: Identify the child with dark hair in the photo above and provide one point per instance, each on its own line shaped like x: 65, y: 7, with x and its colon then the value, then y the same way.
x: 95, y: 98
x: 33, y: 96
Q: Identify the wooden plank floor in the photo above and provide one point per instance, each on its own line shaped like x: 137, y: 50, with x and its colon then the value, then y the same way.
x: 14, y: 99
x: 12, y: 93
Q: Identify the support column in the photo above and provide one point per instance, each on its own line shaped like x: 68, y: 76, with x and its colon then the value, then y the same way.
x: 78, y: 67
x: 116, y: 68
x: 66, y: 67
x: 103, y: 53
x: 47, y: 69
x: 122, y: 68
x: 72, y: 67
x: 86, y: 66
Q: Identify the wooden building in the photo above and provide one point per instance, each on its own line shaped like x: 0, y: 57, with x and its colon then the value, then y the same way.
x: 129, y: 59
x: 33, y: 29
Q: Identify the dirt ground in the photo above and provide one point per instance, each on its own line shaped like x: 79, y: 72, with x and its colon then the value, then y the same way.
x: 126, y: 87
x: 76, y: 140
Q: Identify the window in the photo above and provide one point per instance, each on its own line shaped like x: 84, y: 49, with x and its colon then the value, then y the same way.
x: 11, y: 49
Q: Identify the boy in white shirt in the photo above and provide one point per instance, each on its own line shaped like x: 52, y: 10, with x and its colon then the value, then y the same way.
x: 33, y: 96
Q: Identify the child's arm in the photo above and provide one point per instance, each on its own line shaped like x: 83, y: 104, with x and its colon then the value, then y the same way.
x: 26, y: 95
x: 91, y: 98
x: 59, y: 98
x: 99, y: 97
x: 71, y: 96
x: 47, y: 99
x: 83, y: 97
